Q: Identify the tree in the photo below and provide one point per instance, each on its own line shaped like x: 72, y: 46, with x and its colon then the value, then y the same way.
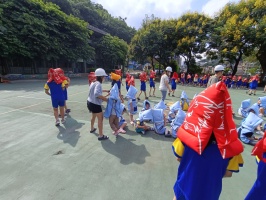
x: 155, y: 40
x: 232, y: 34
x: 192, y: 31
x: 111, y: 51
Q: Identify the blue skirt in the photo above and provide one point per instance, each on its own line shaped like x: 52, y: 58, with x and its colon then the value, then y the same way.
x: 200, y: 176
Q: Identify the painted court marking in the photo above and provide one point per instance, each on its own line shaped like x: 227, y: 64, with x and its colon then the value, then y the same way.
x: 46, y: 100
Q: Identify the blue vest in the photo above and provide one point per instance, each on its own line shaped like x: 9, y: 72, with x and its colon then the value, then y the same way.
x: 160, y: 105
x: 113, y: 102
x: 243, y: 110
x: 177, y: 122
x: 158, y: 118
x: 173, y: 109
x: 250, y: 123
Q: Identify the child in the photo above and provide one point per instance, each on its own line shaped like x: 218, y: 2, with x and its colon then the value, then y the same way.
x: 173, y: 83
x: 132, y: 103
x: 122, y: 122
x: 141, y: 127
x: 66, y: 81
x: 247, y: 128
x: 146, y: 105
x: 112, y: 110
x: 243, y: 110
x: 173, y: 111
x: 253, y: 84
x: 143, y: 79
x: 207, y: 145
x: 189, y: 79
x: 233, y: 83
x: 152, y: 82
x: 196, y: 79
x: 183, y: 78
x: 184, y: 103
x: 239, y: 82
x: 160, y: 105
x: 128, y: 76
x: 177, y: 122
x: 258, y: 189
x: 56, y: 87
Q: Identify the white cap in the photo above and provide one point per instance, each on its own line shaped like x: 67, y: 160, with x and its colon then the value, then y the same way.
x: 219, y: 68
x: 100, y: 72
x: 169, y: 69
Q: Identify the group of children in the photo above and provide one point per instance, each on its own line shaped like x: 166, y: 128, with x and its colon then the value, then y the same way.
x: 252, y: 120
x: 56, y: 87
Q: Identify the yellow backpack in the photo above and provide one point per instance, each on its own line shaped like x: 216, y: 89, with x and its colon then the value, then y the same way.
x: 184, y: 105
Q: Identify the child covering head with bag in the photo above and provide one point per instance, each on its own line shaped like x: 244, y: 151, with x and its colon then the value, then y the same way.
x: 55, y: 87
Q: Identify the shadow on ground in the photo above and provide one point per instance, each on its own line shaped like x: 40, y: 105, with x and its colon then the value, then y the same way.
x: 126, y: 150
x: 68, y: 132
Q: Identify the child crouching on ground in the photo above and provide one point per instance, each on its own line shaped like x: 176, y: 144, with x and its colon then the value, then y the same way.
x: 177, y: 122
x: 141, y: 127
x: 243, y: 110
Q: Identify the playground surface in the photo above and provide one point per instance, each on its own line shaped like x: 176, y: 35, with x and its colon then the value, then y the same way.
x: 40, y: 161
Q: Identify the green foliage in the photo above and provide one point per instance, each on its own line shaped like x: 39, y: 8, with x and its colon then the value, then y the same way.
x: 155, y: 40
x: 39, y: 30
x: 111, y: 51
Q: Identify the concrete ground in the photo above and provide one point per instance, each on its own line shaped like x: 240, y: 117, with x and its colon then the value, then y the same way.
x: 41, y: 161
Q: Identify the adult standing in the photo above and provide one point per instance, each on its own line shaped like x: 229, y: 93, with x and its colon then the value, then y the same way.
x: 164, y: 82
x: 94, y: 102
x: 219, y: 69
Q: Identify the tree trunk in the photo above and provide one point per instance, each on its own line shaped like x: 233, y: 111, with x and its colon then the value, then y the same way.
x: 262, y: 59
x: 236, y: 64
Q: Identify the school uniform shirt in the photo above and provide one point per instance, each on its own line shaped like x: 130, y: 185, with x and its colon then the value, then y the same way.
x: 94, y: 92
x: 162, y: 86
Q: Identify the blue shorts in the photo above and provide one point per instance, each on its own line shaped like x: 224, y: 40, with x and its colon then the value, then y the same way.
x: 152, y: 84
x: 56, y: 103
x: 143, y: 86
x: 65, y: 94
x: 173, y: 84
x: 121, y: 122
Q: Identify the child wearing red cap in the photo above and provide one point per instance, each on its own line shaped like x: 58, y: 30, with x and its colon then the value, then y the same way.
x: 55, y: 88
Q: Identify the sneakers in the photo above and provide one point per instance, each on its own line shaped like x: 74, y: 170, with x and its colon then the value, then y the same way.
x: 68, y: 111
x: 121, y: 131
x: 57, y: 122
x: 63, y: 121
x: 152, y: 129
x: 143, y: 132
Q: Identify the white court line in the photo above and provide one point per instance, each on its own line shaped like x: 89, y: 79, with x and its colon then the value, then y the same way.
x: 26, y: 97
x: 35, y: 104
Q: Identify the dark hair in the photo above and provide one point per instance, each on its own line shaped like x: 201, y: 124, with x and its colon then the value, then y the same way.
x: 99, y: 78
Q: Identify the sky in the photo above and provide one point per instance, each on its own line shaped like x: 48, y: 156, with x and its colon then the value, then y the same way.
x: 135, y: 10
